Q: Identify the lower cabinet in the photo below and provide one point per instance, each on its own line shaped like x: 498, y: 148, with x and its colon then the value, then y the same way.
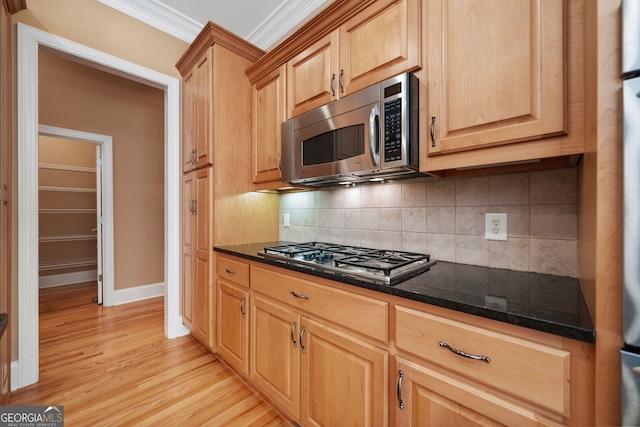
x: 430, y: 397
x: 233, y: 325
x: 313, y: 351
x: 322, y: 376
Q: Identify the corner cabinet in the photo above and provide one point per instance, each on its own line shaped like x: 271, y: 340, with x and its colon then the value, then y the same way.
x: 377, y: 43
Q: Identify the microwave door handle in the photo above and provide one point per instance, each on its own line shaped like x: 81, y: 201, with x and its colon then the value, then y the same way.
x: 374, y: 135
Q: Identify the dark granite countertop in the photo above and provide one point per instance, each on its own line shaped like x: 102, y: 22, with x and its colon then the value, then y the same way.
x: 543, y: 302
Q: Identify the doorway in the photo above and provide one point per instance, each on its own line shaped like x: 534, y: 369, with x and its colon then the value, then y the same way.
x: 30, y: 40
x: 80, y: 209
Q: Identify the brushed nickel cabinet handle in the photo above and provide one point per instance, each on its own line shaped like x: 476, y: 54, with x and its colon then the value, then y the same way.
x: 333, y: 79
x: 463, y: 354
x: 293, y: 334
x: 340, y: 81
x: 433, y: 131
x: 298, y: 295
x: 304, y: 349
x: 194, y: 156
x: 242, y: 304
x: 230, y: 271
x: 400, y: 377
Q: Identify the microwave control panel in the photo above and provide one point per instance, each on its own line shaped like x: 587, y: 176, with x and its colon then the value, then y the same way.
x: 393, y: 130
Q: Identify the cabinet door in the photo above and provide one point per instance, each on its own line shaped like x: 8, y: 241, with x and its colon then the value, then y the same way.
x: 188, y: 231
x: 380, y: 42
x: 203, y: 99
x: 428, y: 397
x: 233, y: 325
x: 496, y: 72
x: 269, y: 111
x: 312, y: 76
x: 189, y: 122
x: 275, y: 357
x: 344, y: 380
x: 203, y: 253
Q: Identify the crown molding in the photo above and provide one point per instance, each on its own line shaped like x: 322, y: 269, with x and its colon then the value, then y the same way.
x: 159, y: 16
x: 284, y: 20
x: 281, y: 22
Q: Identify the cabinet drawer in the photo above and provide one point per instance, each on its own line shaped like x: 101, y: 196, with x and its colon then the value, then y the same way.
x: 361, y: 314
x: 233, y: 271
x: 528, y: 370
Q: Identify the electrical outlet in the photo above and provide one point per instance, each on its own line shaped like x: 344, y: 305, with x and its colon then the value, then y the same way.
x: 285, y: 220
x: 495, y: 303
x: 495, y: 226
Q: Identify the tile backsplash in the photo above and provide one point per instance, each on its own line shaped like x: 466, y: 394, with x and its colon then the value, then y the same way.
x: 446, y: 219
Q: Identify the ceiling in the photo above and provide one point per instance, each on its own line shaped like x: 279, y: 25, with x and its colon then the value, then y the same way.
x: 263, y: 23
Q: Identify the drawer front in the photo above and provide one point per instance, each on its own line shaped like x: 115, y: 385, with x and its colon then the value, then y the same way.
x: 533, y: 372
x: 361, y: 314
x: 233, y: 271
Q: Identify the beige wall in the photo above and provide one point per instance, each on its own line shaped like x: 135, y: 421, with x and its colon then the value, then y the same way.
x: 78, y: 97
x: 101, y: 27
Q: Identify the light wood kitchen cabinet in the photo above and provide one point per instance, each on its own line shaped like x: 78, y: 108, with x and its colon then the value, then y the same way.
x: 275, y: 354
x: 233, y: 325
x: 233, y: 312
x: 379, y: 42
x: 496, y: 72
x: 431, y: 397
x: 453, y: 370
x: 504, y: 85
x: 197, y: 139
x: 197, y: 254
x: 269, y: 111
x: 343, y: 379
x: 317, y: 373
x: 219, y: 205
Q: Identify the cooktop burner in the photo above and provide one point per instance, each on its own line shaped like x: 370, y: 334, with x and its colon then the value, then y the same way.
x: 375, y: 265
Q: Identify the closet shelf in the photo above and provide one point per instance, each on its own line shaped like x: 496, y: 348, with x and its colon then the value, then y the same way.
x: 68, y: 263
x: 68, y: 238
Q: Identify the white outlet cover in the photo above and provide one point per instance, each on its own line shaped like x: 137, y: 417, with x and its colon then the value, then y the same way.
x: 495, y: 226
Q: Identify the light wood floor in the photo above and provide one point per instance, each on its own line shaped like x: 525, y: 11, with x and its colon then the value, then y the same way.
x: 113, y: 366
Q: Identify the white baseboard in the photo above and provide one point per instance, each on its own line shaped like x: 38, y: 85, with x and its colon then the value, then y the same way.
x: 124, y: 296
x: 15, y: 378
x: 67, y: 279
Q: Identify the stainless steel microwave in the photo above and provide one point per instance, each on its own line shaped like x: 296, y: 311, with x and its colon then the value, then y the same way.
x: 371, y: 134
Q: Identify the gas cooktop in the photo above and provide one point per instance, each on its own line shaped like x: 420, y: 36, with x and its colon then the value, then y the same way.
x: 374, y: 265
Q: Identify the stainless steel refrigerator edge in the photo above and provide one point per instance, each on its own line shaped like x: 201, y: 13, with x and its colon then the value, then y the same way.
x: 630, y: 380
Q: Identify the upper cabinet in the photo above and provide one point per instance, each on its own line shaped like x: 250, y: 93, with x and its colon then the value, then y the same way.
x: 496, y: 74
x: 377, y: 43
x: 269, y: 111
x: 504, y: 82
x: 350, y: 45
x: 197, y: 140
